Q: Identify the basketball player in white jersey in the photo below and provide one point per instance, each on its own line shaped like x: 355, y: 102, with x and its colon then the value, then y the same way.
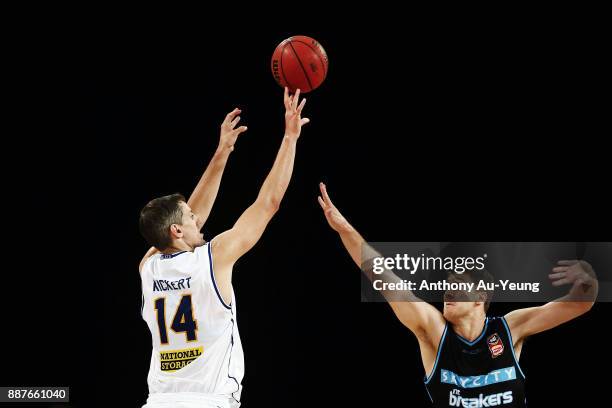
x: 188, y: 299
x: 471, y: 359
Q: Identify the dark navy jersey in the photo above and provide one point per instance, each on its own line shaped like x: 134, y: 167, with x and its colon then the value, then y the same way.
x: 479, y: 373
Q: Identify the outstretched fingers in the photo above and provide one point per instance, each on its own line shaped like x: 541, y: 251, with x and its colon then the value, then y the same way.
x: 294, y: 101
x: 326, y: 198
x: 234, y: 122
x: 301, y: 106
x: 558, y: 275
x: 287, y: 99
x: 230, y: 117
x: 561, y: 282
x: 322, y: 203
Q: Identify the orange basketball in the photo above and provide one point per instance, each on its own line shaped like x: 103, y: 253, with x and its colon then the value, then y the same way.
x: 299, y: 62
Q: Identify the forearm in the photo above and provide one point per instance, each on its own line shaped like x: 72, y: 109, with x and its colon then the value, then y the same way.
x: 360, y: 251
x: 353, y: 242
x: 579, y: 300
x: 277, y: 181
x: 205, y: 192
x: 363, y: 255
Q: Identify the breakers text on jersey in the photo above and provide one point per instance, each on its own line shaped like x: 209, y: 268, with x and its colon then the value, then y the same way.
x: 492, y: 400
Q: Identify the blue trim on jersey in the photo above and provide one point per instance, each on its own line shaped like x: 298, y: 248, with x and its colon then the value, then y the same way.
x: 437, y: 357
x: 229, y: 363
x: 503, y: 319
x: 170, y: 256
x: 429, y: 394
x: 214, y: 282
x: 471, y: 343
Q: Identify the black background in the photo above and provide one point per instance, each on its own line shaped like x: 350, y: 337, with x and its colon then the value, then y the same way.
x: 479, y: 130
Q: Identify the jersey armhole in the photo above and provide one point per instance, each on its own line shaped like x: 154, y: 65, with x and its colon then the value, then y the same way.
x: 503, y: 319
x: 435, y: 366
x: 212, y: 277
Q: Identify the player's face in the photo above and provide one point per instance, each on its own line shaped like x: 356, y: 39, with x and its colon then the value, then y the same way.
x: 460, y: 303
x: 191, y: 232
x: 457, y: 304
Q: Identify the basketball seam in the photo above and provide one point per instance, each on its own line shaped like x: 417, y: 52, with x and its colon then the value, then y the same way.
x: 317, y: 54
x: 301, y: 65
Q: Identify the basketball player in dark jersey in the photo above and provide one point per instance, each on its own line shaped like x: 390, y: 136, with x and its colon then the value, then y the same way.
x: 471, y: 360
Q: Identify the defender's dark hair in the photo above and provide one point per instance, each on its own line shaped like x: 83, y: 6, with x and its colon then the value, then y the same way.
x: 157, y: 217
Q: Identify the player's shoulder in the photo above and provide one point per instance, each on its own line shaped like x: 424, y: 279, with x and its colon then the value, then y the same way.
x: 497, y: 323
x: 202, y: 250
x: 145, y: 263
x: 147, y: 257
x: 214, y: 242
x: 199, y: 257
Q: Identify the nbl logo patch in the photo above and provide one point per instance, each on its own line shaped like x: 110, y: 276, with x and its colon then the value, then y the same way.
x: 496, y: 347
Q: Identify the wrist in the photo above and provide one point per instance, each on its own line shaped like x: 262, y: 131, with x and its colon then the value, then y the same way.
x: 345, y: 228
x: 223, y: 149
x: 222, y: 153
x: 292, y: 136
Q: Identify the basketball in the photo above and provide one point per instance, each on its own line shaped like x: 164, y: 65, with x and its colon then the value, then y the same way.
x: 299, y: 62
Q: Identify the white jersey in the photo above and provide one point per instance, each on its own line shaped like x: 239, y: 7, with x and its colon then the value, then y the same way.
x: 196, y: 346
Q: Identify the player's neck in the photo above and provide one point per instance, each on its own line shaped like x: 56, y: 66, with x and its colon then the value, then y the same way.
x: 177, y: 246
x: 470, y: 327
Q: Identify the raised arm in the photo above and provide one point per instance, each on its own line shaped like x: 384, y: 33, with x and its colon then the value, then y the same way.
x: 580, y: 299
x: 424, y: 320
x: 229, y: 246
x: 205, y: 192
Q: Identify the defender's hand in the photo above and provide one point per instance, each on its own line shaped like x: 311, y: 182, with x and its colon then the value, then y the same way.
x: 578, y: 273
x: 334, y: 218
